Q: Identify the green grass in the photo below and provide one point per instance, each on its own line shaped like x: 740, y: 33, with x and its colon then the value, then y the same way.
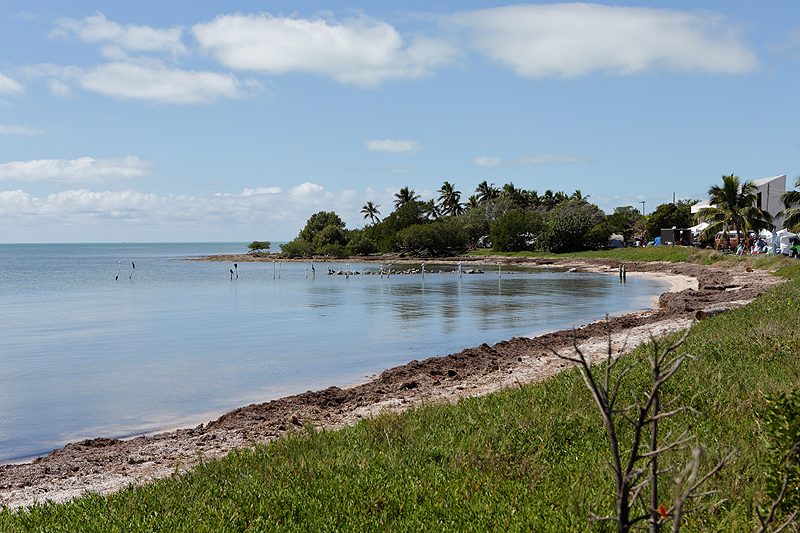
x: 673, y: 254
x: 529, y: 459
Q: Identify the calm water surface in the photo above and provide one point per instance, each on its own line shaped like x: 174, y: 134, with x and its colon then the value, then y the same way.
x: 175, y: 342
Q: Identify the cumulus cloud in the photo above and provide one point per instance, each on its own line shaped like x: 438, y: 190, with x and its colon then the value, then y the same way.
x: 146, y: 79
x: 81, y: 170
x: 152, y: 80
x: 119, y: 39
x: 19, y: 130
x: 9, y: 86
x: 574, y: 39
x: 393, y: 146
x: 359, y: 51
x: 132, y: 72
x: 533, y: 160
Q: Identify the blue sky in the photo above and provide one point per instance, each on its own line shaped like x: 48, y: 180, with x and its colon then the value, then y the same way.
x: 235, y: 121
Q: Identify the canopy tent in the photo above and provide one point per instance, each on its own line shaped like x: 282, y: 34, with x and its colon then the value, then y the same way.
x: 698, y: 229
x: 784, y: 241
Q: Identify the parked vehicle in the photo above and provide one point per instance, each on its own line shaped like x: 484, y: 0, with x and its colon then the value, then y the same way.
x: 794, y: 247
x: 731, y: 240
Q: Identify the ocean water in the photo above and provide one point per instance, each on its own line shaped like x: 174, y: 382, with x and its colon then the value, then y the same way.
x: 90, y: 346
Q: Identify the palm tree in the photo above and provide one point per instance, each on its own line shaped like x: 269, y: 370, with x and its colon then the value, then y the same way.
x: 548, y: 199
x: 515, y: 195
x: 578, y: 195
x: 732, y: 207
x: 450, y: 199
x: 371, y: 212
x: 432, y: 210
x: 472, y: 202
x: 405, y: 196
x: 486, y: 192
x: 791, y: 201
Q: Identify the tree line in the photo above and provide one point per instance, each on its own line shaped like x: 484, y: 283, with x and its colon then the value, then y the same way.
x: 512, y: 219
x: 506, y: 218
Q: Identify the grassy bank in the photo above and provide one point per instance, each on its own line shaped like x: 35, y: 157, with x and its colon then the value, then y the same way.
x: 529, y: 459
x: 673, y: 254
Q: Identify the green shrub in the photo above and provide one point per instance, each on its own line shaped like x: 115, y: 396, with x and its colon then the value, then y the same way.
x: 515, y: 231
x: 333, y: 250
x: 330, y: 234
x: 568, y: 227
x: 359, y: 243
x: 297, y: 248
x: 434, y: 238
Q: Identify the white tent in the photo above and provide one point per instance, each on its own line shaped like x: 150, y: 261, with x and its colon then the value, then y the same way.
x: 783, y: 241
x: 698, y: 229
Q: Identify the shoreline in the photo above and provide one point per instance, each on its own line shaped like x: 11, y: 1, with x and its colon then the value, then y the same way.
x: 104, y: 465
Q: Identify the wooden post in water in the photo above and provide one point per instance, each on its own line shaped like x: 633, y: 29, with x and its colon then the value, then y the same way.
x: 499, y: 269
x: 423, y: 270
x: 273, y: 270
x: 118, y: 268
x: 236, y: 268
x: 132, y: 267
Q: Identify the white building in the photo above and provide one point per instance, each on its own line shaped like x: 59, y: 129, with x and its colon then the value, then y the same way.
x: 768, y: 197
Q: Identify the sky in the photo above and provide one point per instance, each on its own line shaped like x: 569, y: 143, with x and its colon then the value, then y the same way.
x: 236, y: 121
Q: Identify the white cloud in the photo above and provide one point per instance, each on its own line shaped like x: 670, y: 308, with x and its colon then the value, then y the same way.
x: 359, y: 51
x: 145, y: 79
x: 9, y: 86
x: 393, y: 146
x: 573, y: 39
x: 19, y: 130
x: 533, y: 160
x: 152, y: 80
x: 122, y: 38
x: 112, y: 215
x: 486, y: 161
x: 261, y: 190
x: 59, y: 88
x: 81, y: 170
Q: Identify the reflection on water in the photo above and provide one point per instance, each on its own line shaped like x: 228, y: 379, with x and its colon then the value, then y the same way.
x: 85, y: 355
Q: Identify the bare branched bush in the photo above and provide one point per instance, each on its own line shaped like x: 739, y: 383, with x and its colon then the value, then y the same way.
x: 637, y: 464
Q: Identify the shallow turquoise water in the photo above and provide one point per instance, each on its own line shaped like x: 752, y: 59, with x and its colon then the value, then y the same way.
x: 175, y: 342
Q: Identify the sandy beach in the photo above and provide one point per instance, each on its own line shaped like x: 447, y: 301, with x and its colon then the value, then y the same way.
x: 105, y: 465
